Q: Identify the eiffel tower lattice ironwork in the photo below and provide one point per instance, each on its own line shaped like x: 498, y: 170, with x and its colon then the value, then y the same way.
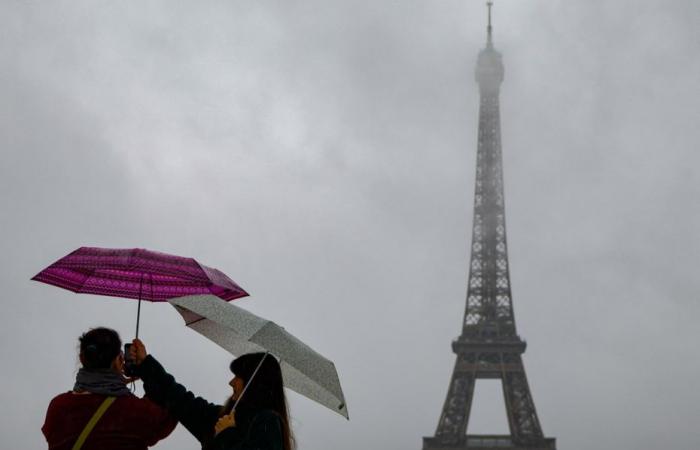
x: 489, y: 346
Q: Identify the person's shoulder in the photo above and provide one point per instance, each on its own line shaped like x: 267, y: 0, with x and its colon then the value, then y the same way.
x: 266, y: 426
x: 66, y: 394
x: 63, y: 398
x: 138, y: 405
x: 133, y: 400
x: 88, y: 397
x: 267, y: 416
x: 72, y: 399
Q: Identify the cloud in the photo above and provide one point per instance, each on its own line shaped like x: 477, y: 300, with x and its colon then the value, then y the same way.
x: 323, y: 154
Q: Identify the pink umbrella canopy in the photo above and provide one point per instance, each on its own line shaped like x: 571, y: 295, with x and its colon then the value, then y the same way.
x: 137, y: 273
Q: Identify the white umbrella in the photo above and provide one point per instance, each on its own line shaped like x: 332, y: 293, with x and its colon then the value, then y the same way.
x: 239, y: 331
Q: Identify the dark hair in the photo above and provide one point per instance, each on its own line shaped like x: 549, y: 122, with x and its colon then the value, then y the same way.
x: 99, y: 347
x: 265, y: 391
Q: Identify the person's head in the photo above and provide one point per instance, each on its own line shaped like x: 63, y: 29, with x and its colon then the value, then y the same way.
x: 101, y: 348
x: 266, y: 390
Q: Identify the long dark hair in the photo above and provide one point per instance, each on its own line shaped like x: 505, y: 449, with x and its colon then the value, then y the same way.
x: 265, y: 390
x: 98, y: 348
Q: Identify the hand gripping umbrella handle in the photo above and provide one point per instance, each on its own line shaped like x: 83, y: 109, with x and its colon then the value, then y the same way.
x: 245, y: 388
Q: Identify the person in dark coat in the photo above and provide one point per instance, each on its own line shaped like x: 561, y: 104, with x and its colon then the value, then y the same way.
x: 260, y: 419
x: 129, y: 423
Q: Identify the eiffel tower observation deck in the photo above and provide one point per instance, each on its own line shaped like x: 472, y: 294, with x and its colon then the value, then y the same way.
x: 489, y: 345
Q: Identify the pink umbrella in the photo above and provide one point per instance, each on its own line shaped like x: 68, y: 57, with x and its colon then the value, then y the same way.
x: 137, y: 273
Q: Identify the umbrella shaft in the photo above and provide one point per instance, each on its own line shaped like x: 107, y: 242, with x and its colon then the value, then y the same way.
x: 245, y: 388
x: 138, y: 311
x: 138, y: 316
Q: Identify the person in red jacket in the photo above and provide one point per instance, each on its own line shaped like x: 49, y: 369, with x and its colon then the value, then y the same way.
x: 129, y: 423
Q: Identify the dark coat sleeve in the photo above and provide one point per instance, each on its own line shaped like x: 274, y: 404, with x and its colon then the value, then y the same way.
x: 194, y: 413
x: 263, y: 433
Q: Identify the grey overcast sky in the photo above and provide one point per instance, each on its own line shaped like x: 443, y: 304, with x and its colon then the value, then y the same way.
x: 322, y: 153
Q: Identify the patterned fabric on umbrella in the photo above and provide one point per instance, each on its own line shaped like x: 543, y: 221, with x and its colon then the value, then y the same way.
x: 239, y: 331
x: 137, y: 273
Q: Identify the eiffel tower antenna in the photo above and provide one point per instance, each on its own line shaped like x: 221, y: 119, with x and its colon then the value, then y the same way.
x: 489, y: 345
x: 489, y: 41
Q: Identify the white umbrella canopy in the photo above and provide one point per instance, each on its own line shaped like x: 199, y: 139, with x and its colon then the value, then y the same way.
x: 239, y: 331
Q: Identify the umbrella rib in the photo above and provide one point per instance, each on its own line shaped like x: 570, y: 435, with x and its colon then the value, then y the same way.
x: 194, y: 321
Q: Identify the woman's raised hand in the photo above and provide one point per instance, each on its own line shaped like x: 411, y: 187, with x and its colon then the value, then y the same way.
x: 227, y: 421
x: 137, y: 351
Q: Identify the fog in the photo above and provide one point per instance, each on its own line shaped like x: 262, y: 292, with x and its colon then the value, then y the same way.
x: 322, y: 154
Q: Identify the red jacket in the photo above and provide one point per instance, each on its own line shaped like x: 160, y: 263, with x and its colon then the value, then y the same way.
x: 130, y: 423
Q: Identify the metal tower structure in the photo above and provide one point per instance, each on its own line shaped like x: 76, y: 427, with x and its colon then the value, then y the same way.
x: 489, y: 346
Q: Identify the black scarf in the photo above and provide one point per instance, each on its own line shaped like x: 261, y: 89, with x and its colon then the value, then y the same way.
x: 101, y: 381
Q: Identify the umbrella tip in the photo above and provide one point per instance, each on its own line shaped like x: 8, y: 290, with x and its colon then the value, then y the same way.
x: 343, y: 411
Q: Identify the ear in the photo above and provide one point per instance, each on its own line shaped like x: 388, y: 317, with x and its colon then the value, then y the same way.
x: 82, y: 359
x: 118, y: 363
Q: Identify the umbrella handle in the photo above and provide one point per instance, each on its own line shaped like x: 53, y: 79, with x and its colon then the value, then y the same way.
x: 245, y: 388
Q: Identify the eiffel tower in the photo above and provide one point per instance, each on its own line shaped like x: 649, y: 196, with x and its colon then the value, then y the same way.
x: 489, y: 346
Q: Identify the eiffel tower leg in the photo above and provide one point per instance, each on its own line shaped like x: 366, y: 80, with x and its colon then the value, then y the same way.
x: 522, y: 417
x: 453, y: 421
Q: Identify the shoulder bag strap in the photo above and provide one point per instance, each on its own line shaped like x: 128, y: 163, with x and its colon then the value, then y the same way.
x: 92, y: 422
